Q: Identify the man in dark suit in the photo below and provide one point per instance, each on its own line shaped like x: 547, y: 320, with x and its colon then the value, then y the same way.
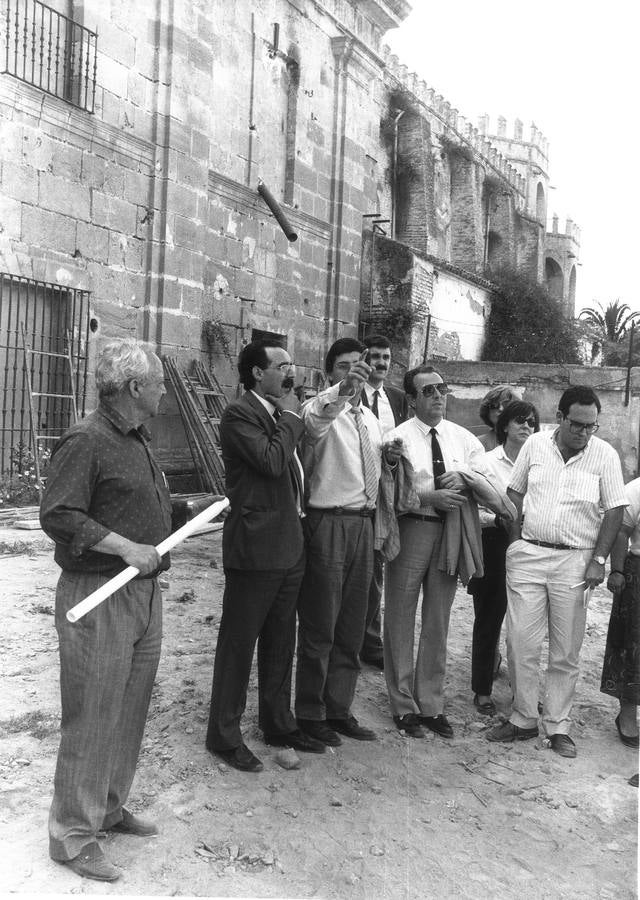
x: 389, y: 405
x: 263, y: 557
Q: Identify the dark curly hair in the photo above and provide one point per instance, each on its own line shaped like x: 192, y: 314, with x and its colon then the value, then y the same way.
x: 509, y: 413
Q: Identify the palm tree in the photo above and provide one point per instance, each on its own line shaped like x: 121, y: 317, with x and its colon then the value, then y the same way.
x: 613, y: 321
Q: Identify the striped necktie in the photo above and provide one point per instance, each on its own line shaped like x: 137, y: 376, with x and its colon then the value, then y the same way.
x: 367, y: 453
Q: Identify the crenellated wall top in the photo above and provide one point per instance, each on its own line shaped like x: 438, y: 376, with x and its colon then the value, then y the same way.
x: 515, y: 132
x: 476, y: 139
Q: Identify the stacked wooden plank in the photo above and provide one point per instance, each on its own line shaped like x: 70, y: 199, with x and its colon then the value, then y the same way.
x: 200, y: 402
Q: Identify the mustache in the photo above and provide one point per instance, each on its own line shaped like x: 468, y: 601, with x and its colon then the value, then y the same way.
x: 287, y: 383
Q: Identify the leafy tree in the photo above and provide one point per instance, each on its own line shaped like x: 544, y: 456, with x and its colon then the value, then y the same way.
x: 613, y: 321
x: 526, y: 324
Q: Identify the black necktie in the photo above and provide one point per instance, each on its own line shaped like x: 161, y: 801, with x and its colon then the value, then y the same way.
x: 374, y: 405
x: 438, y: 462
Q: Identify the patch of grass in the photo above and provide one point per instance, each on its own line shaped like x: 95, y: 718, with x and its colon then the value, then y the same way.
x: 38, y: 724
x: 43, y: 608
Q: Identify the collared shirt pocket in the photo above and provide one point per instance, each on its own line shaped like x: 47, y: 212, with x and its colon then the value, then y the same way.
x: 581, y: 486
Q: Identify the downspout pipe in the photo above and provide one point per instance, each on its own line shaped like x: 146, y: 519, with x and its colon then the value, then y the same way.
x: 394, y: 198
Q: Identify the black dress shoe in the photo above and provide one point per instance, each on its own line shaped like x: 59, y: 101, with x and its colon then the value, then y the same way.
x: 488, y: 708
x: 376, y: 661
x: 320, y: 731
x: 438, y: 723
x: 409, y: 724
x: 240, y: 758
x: 351, y: 728
x: 296, y: 739
x: 627, y: 739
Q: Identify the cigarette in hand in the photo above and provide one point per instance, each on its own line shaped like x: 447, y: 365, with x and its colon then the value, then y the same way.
x: 579, y: 584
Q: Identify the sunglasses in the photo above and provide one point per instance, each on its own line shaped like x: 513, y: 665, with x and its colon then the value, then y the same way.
x: 525, y: 420
x: 429, y: 389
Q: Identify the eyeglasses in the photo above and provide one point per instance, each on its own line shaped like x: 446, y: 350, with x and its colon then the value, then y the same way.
x: 525, y: 420
x: 284, y: 367
x: 429, y: 389
x: 579, y: 427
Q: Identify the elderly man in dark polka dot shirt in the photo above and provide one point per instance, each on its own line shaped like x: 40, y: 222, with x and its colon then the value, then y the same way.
x: 106, y: 506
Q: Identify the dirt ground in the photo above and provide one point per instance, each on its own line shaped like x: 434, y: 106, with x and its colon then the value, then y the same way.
x: 399, y: 818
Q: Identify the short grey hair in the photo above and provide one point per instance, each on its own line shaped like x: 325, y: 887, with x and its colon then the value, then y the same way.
x: 119, y: 362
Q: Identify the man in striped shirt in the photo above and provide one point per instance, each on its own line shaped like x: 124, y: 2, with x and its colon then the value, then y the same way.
x: 564, y: 479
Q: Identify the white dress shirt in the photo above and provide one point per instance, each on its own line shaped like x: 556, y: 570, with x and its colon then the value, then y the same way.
x: 334, y: 463
x: 498, y: 467
x: 461, y: 451
x: 385, y: 413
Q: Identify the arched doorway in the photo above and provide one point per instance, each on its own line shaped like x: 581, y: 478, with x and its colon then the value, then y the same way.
x: 553, y: 278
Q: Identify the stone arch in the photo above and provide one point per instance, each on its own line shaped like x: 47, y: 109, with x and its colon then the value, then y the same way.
x: 553, y: 278
x: 494, y: 247
x: 541, y: 204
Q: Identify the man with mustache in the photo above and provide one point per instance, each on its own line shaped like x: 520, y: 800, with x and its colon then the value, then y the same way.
x: 263, y: 557
x: 389, y: 406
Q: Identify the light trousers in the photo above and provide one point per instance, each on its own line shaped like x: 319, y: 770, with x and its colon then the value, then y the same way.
x: 417, y: 688
x: 541, y: 599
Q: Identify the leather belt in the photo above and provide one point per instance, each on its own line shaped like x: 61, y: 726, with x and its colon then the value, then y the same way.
x: 366, y: 511
x: 424, y: 517
x: 550, y: 546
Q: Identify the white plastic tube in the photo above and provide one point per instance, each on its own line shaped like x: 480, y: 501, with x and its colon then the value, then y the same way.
x: 114, y: 584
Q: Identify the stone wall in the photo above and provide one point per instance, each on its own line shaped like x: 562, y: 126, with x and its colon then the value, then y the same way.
x: 150, y: 202
x: 543, y: 386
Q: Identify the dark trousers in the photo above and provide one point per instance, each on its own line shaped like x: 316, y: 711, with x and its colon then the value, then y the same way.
x: 332, y: 611
x: 621, y: 665
x: 108, y: 662
x: 257, y: 607
x: 490, y: 605
x: 372, y: 643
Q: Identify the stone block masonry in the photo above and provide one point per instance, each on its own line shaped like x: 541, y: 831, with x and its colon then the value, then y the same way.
x: 151, y: 205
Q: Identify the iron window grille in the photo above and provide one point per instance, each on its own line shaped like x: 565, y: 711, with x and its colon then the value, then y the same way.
x: 52, y: 52
x: 54, y: 319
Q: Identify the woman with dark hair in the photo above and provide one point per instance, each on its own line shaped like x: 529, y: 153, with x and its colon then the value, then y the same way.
x: 517, y: 421
x: 492, y: 405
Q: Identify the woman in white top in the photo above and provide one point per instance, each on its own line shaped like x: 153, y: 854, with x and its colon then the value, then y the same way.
x: 515, y: 423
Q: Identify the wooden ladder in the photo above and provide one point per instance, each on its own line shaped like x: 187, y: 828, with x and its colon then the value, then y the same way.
x: 201, y: 402
x: 37, y: 437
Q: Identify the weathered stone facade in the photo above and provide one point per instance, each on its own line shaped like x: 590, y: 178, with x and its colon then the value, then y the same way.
x: 150, y: 204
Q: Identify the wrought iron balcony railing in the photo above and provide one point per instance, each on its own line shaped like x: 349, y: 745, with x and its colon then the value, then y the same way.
x: 51, y: 52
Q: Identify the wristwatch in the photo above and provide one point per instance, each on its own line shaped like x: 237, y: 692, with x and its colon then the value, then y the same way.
x: 600, y: 560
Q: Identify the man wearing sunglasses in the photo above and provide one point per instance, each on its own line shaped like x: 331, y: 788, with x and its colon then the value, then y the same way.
x: 438, y: 451
x: 557, y: 556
